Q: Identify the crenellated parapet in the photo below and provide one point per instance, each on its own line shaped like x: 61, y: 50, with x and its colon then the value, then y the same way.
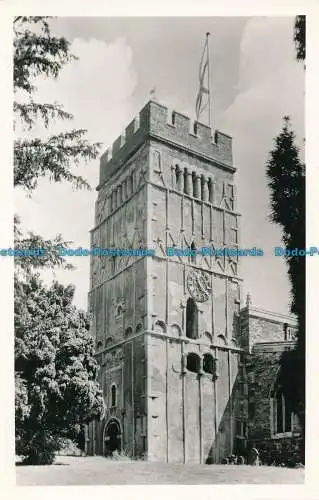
x: 156, y: 122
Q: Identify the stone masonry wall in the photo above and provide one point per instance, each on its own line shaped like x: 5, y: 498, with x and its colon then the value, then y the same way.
x: 191, y: 416
x: 262, y: 372
x: 259, y: 326
x: 138, y: 305
x: 155, y: 121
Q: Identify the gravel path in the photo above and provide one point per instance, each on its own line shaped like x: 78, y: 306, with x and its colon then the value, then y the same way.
x: 99, y: 471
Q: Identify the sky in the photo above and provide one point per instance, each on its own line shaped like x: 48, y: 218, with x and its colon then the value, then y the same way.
x: 255, y: 82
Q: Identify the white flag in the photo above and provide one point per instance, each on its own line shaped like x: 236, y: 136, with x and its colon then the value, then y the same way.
x: 203, y: 93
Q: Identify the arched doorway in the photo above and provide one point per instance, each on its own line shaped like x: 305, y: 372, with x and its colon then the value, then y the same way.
x: 112, y: 437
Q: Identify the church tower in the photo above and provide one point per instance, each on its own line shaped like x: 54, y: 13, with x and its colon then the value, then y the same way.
x: 167, y: 326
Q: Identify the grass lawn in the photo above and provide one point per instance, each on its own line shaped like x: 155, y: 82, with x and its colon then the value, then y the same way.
x: 99, y: 471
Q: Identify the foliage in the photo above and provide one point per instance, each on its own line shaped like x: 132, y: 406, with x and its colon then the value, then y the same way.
x: 55, y: 369
x: 70, y: 448
x: 122, y: 456
x: 38, y: 53
x: 284, y: 452
x: 51, y: 258
x: 300, y: 37
x: 286, y: 179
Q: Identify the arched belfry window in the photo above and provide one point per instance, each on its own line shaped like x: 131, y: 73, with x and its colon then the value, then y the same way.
x: 210, y: 191
x: 113, y: 395
x: 178, y: 174
x: 193, y: 362
x: 195, y: 193
x: 128, y: 332
x: 191, y: 319
x: 208, y: 364
x: 185, y: 190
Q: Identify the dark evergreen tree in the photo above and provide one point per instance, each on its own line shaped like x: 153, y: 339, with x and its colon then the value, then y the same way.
x: 300, y: 37
x: 286, y: 175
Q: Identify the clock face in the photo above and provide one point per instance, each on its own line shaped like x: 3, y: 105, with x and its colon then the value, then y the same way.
x: 198, y: 284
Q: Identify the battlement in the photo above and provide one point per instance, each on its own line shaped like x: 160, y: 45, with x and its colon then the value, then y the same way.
x: 156, y: 122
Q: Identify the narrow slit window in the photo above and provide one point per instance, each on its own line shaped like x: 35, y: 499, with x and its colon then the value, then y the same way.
x: 113, y: 395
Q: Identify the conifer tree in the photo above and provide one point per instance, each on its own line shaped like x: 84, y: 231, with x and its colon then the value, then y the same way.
x: 286, y: 174
x: 286, y: 179
x: 300, y: 37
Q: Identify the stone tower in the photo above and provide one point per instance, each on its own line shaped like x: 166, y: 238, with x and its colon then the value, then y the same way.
x: 166, y: 327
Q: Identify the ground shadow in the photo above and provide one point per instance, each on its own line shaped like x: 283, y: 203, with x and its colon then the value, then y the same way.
x: 22, y: 464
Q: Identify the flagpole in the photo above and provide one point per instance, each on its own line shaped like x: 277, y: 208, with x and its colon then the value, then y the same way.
x: 209, y: 96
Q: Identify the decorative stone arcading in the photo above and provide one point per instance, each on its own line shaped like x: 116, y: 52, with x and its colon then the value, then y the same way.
x: 128, y: 190
x: 113, y: 199
x: 124, y: 189
x: 197, y: 186
x: 180, y: 180
x: 132, y: 181
x: 189, y: 183
x: 113, y: 358
x: 173, y: 171
x: 205, y: 193
x: 119, y: 195
x: 211, y: 189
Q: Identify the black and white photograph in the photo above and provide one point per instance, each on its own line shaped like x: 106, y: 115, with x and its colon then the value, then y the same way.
x: 159, y: 249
